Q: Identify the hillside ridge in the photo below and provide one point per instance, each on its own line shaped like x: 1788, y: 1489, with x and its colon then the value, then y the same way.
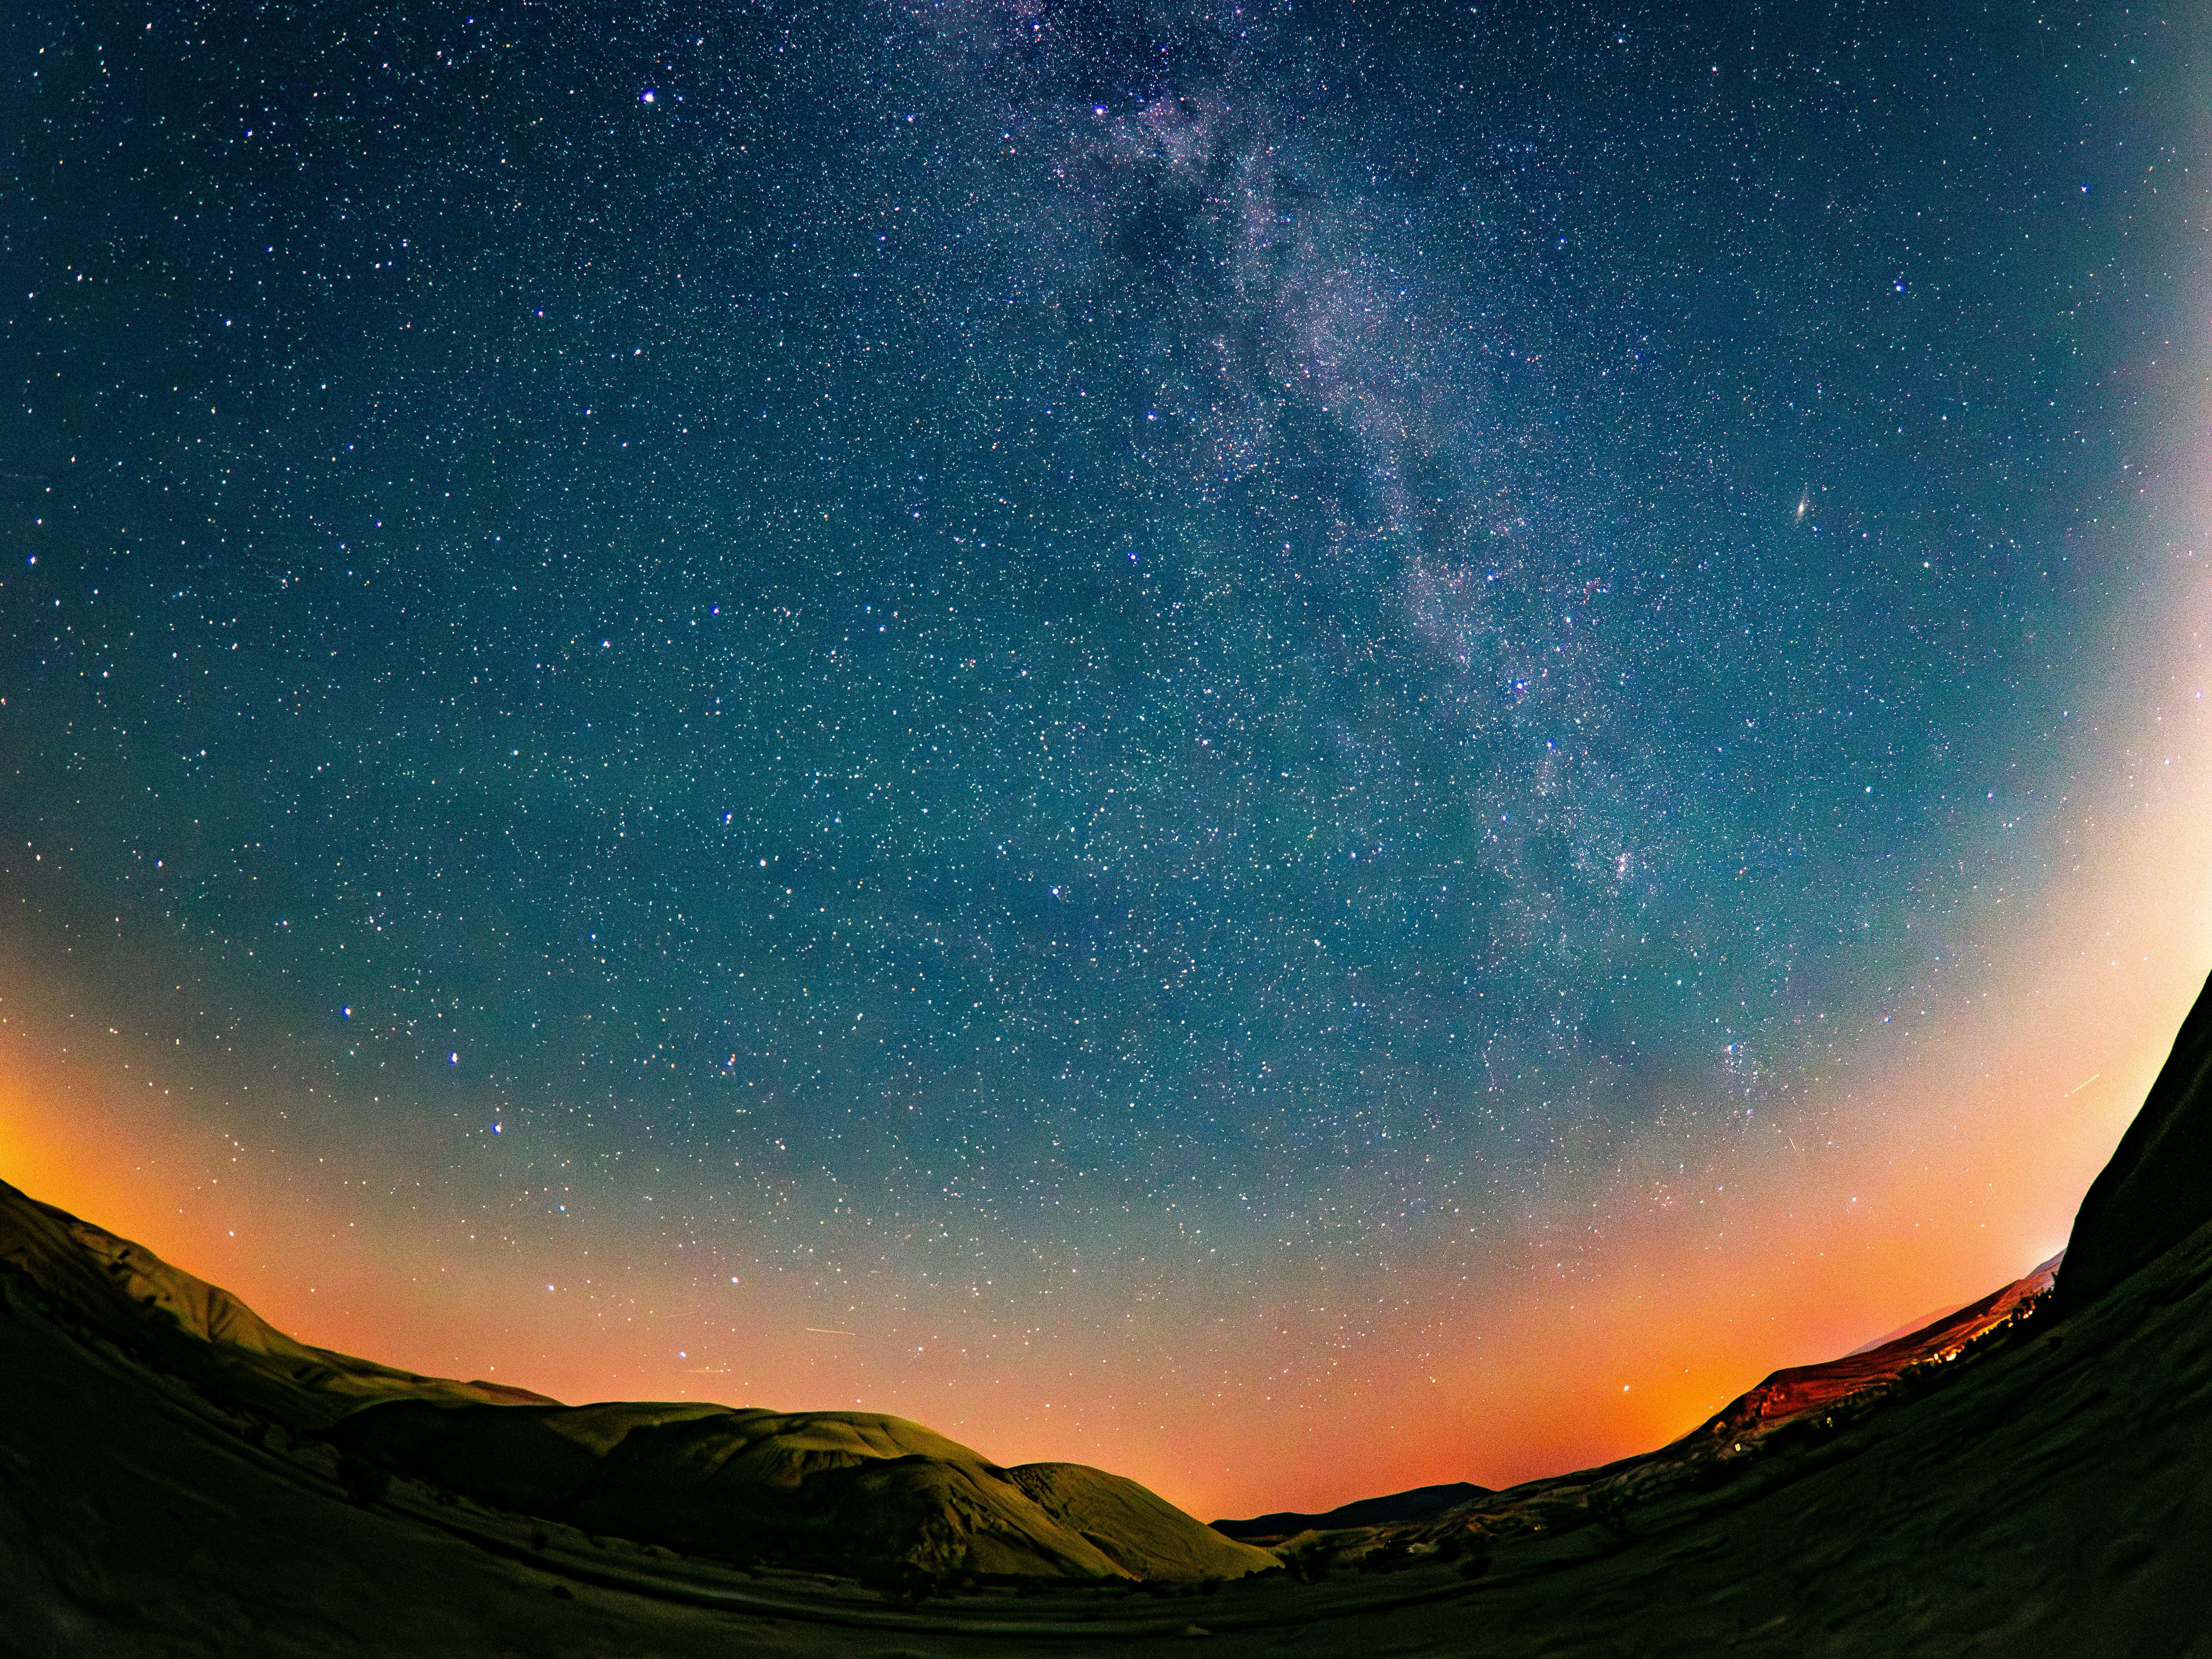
x: 854, y: 1493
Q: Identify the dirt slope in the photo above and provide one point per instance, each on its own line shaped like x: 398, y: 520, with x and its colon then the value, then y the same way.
x: 1799, y: 1390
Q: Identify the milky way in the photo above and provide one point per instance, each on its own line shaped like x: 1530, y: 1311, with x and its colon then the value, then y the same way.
x: 975, y: 642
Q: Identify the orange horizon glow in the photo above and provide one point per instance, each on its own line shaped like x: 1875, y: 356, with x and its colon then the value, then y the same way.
x: 1989, y: 1136
x: 1944, y: 1160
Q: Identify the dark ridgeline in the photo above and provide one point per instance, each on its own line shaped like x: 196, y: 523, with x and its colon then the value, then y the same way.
x: 854, y: 1493
x: 2157, y: 1189
x: 1420, y: 1504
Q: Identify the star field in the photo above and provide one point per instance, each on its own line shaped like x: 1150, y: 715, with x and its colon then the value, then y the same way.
x: 1000, y: 640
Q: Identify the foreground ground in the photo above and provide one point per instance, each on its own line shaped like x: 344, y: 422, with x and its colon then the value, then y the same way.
x: 2049, y: 1493
x: 2037, y: 1480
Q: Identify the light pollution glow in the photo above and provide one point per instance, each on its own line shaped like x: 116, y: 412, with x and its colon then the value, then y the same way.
x: 1947, y: 1159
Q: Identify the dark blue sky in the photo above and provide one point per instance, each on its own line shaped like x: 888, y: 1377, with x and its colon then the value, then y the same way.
x: 1011, y: 624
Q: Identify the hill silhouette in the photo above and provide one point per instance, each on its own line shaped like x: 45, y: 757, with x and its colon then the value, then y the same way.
x: 1418, y: 1504
x: 847, y: 1491
x: 2157, y: 1190
x: 2021, y: 1477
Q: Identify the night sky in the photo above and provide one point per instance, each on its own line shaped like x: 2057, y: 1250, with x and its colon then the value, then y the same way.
x: 1250, y: 743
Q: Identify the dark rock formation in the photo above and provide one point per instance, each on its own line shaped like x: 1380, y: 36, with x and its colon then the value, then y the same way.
x: 2157, y: 1189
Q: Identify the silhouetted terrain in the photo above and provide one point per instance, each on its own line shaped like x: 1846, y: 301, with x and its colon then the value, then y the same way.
x: 2026, y: 1476
x: 1421, y: 1504
x: 2157, y: 1189
x: 846, y: 1492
